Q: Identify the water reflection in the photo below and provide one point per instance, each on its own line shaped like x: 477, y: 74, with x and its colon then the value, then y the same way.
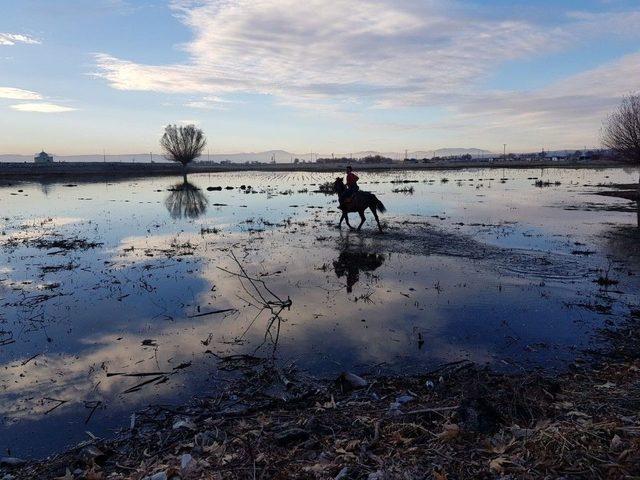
x: 623, y: 243
x: 264, y: 300
x: 156, y: 299
x: 186, y: 201
x: 350, y: 264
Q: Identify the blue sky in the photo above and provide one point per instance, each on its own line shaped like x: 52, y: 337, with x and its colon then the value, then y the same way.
x: 80, y: 76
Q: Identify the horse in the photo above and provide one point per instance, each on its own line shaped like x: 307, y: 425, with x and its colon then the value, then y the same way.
x: 358, y: 202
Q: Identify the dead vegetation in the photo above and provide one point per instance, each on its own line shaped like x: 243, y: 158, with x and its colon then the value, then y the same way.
x: 405, y: 190
x: 457, y: 421
x: 52, y: 242
x: 327, y: 188
x: 546, y: 183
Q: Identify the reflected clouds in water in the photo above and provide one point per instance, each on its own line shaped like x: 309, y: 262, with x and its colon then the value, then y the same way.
x: 142, y: 303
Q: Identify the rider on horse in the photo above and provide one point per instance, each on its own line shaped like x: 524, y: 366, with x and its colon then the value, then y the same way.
x: 352, y: 185
x: 352, y: 200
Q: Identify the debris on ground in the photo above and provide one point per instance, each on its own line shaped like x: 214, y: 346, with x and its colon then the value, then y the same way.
x: 457, y: 421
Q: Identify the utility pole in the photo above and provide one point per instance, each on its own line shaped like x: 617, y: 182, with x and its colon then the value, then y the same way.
x: 504, y: 151
x: 104, y: 155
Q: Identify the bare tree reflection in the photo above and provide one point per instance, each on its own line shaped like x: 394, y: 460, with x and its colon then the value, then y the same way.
x: 45, y: 187
x: 622, y: 248
x: 186, y: 201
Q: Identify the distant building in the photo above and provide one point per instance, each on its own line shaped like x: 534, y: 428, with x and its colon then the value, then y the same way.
x: 555, y: 156
x: 43, y: 158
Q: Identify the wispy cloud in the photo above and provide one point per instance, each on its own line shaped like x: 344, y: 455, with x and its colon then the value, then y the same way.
x: 328, y: 57
x: 342, y: 49
x: 19, y: 94
x: 385, y: 52
x: 565, y: 112
x: 14, y: 38
x: 13, y: 93
x: 41, y: 107
x: 209, y: 103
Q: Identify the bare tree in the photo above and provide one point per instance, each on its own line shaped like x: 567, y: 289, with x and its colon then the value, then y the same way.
x: 621, y: 132
x: 183, y: 144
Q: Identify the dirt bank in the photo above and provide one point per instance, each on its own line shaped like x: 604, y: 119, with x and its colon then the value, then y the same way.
x: 628, y: 191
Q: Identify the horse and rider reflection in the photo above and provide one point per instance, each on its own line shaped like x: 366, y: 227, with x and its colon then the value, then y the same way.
x: 349, y: 264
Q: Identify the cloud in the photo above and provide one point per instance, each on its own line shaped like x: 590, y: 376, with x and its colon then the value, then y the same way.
x: 597, y: 24
x: 19, y: 94
x: 41, y: 107
x: 209, y: 103
x: 566, y: 112
x: 343, y: 56
x: 13, y: 38
x: 314, y: 50
x: 387, y: 52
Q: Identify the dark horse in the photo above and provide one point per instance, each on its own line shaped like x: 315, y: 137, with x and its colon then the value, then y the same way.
x: 358, y: 202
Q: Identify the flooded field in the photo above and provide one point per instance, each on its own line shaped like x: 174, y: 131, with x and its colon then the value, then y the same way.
x: 120, y: 294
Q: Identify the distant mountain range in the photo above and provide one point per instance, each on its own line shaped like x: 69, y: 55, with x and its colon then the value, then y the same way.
x: 280, y: 156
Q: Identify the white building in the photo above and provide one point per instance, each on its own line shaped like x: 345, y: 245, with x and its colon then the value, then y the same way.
x: 43, y: 157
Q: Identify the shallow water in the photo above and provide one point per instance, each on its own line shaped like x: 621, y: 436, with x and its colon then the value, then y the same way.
x: 483, y: 266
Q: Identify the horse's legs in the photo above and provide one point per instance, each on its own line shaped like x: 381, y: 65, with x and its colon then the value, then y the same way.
x: 375, y: 215
x: 362, y: 219
x: 346, y: 217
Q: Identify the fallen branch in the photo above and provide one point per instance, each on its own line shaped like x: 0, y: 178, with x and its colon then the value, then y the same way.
x: 214, y: 312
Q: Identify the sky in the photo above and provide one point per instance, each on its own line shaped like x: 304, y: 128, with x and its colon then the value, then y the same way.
x: 80, y: 76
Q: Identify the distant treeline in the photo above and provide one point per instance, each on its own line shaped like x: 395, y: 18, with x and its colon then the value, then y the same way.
x: 566, y: 155
x: 373, y: 159
x: 379, y: 159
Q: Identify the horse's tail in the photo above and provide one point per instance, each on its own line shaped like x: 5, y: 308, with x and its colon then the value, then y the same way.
x: 380, y: 206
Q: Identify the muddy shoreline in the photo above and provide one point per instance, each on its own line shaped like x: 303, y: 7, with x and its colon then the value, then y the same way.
x: 456, y: 421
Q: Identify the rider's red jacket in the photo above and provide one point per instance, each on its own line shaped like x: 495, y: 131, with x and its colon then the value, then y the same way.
x: 352, y: 179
